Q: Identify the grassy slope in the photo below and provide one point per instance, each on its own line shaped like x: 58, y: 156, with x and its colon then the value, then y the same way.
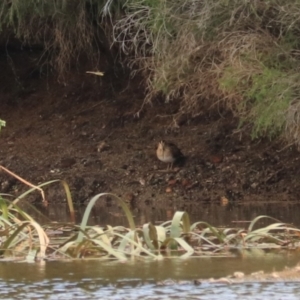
x: 241, y: 55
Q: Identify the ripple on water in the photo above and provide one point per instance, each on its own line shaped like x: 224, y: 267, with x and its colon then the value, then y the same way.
x: 94, y: 289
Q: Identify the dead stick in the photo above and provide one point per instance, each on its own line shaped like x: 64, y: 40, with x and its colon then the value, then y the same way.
x: 25, y: 182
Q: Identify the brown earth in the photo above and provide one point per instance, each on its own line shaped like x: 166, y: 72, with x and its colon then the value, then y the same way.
x: 87, y: 133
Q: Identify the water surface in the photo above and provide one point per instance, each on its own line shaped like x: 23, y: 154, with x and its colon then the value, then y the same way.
x: 167, y: 279
x: 144, y: 279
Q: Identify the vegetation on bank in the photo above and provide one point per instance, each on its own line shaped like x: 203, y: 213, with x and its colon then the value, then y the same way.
x: 240, y: 55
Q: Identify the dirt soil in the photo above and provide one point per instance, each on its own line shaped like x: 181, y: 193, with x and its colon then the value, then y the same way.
x: 87, y: 133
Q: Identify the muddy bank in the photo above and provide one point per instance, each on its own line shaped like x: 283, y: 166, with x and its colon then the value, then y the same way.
x: 87, y: 133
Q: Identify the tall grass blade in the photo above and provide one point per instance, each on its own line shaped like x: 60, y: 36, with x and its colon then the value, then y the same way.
x: 103, y: 235
x: 128, y: 239
x: 180, y: 223
x: 171, y: 241
x: 67, y: 191
x: 253, y: 222
x: 32, y: 190
x: 150, y: 236
x: 30, y: 258
x: 92, y: 203
x: 110, y: 250
x: 161, y: 235
x: 3, y: 208
x: 209, y: 229
x: 43, y: 239
x: 69, y: 200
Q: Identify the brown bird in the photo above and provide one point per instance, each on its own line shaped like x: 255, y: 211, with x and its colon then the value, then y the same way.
x: 168, y: 153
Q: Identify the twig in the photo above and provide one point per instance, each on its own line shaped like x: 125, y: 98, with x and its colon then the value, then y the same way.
x: 25, y: 182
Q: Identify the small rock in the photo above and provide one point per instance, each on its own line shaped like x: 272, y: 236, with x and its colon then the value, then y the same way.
x: 224, y: 201
x: 297, y: 268
x: 102, y: 146
x: 274, y: 275
x: 238, y: 275
x: 197, y: 282
x: 257, y: 274
x: 254, y: 185
x: 221, y: 280
x: 168, y: 189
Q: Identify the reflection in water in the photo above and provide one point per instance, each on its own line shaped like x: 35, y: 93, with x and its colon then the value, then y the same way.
x: 95, y: 289
x: 217, y: 215
x: 145, y: 270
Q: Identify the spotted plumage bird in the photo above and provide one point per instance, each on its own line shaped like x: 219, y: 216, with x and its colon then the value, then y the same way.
x: 168, y: 153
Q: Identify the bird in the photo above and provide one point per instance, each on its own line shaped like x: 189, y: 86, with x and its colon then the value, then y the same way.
x: 168, y: 153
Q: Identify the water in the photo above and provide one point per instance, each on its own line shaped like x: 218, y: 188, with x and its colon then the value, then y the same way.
x: 167, y: 279
x: 170, y: 278
x: 94, y: 289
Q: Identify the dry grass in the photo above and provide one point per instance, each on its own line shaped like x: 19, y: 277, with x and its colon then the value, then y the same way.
x: 238, y: 55
x: 241, y: 55
x: 67, y: 31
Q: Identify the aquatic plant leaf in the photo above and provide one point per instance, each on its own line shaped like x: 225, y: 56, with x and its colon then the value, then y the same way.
x: 180, y: 223
x: 31, y: 256
x: 69, y: 199
x: 66, y: 247
x: 3, y: 208
x: 66, y: 188
x: 92, y: 203
x: 31, y: 190
x: 232, y: 237
x: 201, y: 237
x: 166, y: 224
x: 110, y: 250
x: 43, y: 238
x: 259, y: 237
x: 150, y: 236
x: 7, y: 244
x: 102, y: 235
x: 170, y: 242
x: 264, y: 232
x: 161, y: 234
x: 209, y: 229
x: 21, y: 212
x: 128, y: 239
x: 253, y: 222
